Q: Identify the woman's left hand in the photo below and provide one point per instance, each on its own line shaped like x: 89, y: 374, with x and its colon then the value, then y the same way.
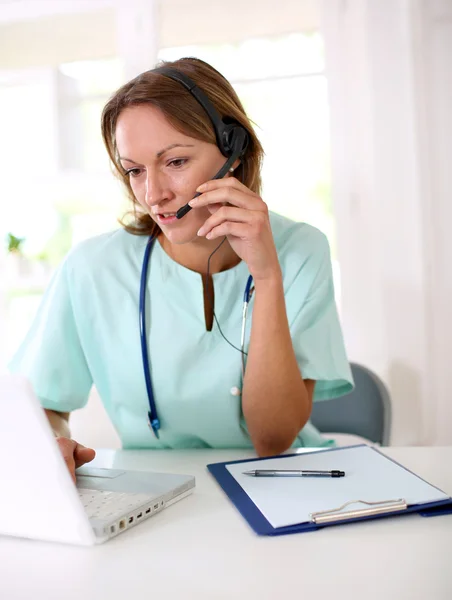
x: 244, y: 221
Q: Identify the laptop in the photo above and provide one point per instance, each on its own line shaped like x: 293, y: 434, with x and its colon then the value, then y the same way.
x: 38, y: 499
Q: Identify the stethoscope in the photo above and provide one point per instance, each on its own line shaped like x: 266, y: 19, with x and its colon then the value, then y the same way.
x: 153, y: 419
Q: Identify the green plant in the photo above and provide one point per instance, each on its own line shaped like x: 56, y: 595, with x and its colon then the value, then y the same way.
x: 14, y: 244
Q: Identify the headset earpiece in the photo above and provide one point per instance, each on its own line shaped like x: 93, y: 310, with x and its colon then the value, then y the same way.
x: 233, y: 138
x: 240, y: 139
x: 230, y: 135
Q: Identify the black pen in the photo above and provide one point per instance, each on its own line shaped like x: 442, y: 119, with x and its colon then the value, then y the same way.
x: 293, y: 473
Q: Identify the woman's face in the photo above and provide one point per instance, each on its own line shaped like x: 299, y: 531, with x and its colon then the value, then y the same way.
x: 164, y: 168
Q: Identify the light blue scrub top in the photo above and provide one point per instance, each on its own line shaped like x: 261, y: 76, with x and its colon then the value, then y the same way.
x: 87, y: 332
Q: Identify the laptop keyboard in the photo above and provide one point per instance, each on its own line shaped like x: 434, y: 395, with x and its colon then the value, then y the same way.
x: 111, y: 505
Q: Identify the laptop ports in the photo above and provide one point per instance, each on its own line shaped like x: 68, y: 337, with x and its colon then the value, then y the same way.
x: 148, y: 510
x: 130, y: 520
x: 139, y: 515
x: 122, y: 524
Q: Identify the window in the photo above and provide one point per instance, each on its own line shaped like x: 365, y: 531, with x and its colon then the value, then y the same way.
x: 58, y: 187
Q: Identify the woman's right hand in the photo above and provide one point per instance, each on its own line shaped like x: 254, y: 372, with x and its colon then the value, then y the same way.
x: 74, y: 454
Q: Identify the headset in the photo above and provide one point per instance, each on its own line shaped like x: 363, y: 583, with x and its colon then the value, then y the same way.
x: 232, y: 138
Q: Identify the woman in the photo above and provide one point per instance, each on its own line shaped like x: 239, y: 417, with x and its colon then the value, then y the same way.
x: 168, y: 133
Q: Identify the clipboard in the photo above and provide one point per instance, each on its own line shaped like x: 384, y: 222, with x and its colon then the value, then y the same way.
x: 353, y: 510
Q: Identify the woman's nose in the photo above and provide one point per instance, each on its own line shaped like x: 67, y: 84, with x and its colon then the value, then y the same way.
x: 154, y: 190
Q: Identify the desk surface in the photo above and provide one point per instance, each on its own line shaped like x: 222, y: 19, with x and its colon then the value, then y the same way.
x: 202, y: 548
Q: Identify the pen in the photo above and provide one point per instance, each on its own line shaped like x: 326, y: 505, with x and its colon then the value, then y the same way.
x: 293, y: 473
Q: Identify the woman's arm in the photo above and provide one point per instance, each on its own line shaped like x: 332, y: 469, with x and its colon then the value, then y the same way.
x: 276, y: 402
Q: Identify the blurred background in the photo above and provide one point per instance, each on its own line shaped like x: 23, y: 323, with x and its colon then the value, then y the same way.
x: 352, y: 100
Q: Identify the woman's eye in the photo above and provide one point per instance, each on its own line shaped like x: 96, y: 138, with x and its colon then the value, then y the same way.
x: 177, y: 162
x: 133, y: 172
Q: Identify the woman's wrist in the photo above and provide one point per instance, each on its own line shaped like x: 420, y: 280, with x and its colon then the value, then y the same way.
x: 58, y: 423
x: 273, y: 282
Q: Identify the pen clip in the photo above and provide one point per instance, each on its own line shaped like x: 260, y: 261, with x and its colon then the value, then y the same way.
x: 375, y: 508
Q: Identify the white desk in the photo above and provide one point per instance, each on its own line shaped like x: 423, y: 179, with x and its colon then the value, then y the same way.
x: 201, y: 548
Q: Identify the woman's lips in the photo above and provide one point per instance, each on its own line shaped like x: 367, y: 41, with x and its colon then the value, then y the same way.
x: 166, y: 218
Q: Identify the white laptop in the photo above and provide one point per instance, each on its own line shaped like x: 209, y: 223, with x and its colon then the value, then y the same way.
x: 38, y: 498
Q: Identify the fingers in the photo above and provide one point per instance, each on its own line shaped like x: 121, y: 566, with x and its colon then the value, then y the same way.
x: 239, y: 230
x: 225, y: 213
x: 246, y: 224
x: 228, y: 191
x: 75, y: 455
x: 67, y: 448
x: 227, y: 182
x: 83, y: 455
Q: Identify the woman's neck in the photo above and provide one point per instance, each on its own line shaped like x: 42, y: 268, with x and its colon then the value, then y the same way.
x: 195, y: 255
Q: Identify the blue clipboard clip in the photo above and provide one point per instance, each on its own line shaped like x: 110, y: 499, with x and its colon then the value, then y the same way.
x: 374, y: 508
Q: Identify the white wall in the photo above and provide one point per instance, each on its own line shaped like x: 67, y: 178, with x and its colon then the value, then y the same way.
x: 390, y: 80
x: 435, y: 49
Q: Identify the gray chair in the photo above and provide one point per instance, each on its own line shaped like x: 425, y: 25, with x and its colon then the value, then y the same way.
x: 366, y: 411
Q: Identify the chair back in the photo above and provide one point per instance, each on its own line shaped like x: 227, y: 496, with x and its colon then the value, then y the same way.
x: 366, y: 411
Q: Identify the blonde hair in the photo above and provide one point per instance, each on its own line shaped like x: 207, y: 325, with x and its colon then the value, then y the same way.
x: 186, y: 115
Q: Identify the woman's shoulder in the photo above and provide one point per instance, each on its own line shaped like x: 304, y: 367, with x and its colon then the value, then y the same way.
x: 304, y: 256
x: 297, y: 240
x: 101, y: 251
